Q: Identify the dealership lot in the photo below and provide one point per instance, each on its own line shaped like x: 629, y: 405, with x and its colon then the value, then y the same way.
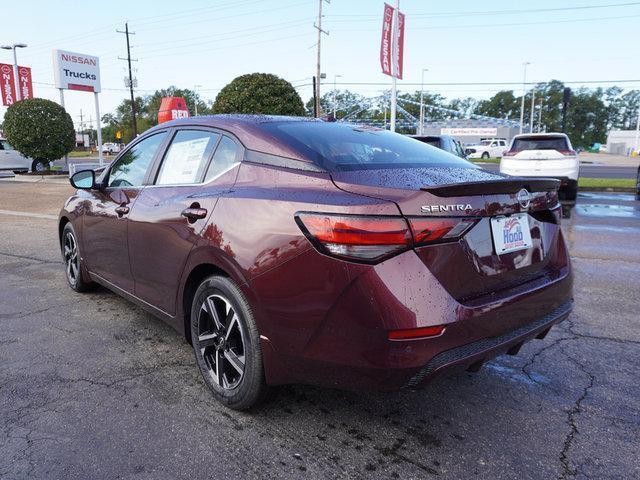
x: 93, y: 387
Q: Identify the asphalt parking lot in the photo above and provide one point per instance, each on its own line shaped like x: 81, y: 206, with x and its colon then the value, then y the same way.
x: 93, y: 387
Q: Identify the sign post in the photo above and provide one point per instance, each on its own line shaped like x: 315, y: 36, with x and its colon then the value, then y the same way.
x: 77, y: 71
x: 391, y: 51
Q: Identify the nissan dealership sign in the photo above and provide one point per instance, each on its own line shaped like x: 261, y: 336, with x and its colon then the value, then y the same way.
x: 76, y: 71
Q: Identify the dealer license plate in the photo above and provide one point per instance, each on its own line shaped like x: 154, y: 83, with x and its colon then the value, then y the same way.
x: 511, y: 233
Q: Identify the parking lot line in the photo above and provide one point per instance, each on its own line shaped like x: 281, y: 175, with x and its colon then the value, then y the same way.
x: 29, y: 214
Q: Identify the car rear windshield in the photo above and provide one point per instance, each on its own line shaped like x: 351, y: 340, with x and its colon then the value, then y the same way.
x: 540, y: 143
x: 433, y: 141
x: 340, y: 146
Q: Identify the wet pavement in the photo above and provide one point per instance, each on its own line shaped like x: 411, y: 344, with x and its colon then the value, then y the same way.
x: 93, y: 387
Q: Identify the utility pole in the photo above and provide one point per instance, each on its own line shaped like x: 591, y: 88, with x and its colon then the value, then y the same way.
x: 82, y: 128
x: 533, y: 107
x: 524, y: 90
x: 318, y: 26
x: 129, y: 60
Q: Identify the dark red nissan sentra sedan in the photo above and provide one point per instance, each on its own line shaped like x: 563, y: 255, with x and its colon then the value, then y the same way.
x: 292, y: 250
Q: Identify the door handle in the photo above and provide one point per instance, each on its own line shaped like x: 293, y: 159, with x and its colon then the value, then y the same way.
x: 122, y: 210
x: 194, y: 213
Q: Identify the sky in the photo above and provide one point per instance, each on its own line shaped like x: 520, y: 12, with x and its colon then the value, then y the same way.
x: 208, y: 43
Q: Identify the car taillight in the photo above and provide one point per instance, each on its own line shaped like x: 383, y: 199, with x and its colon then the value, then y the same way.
x: 364, y: 238
x: 510, y: 153
x: 370, y: 239
x: 429, y: 230
x: 568, y: 153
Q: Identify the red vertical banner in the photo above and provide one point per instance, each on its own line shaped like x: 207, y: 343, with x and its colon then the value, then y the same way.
x: 398, y: 46
x: 24, y: 83
x: 385, y: 43
x: 7, y: 84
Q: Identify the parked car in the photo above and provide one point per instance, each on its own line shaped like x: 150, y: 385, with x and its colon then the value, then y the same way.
x: 486, y: 149
x: 11, y: 159
x: 443, y: 142
x: 638, y: 184
x: 292, y: 250
x: 111, y: 148
x: 544, y: 155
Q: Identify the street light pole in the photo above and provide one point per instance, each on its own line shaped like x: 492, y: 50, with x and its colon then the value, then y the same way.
x: 195, y: 100
x: 638, y: 132
x: 524, y: 89
x: 15, y: 66
x: 334, y: 96
x: 533, y: 105
x: 422, y: 101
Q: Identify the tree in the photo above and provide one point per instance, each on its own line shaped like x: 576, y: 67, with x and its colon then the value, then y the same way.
x: 259, y: 93
x: 39, y: 129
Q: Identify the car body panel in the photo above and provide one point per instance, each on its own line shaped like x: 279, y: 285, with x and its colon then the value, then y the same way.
x: 11, y: 159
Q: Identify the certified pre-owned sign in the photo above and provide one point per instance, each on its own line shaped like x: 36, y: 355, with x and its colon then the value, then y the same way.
x: 76, y: 71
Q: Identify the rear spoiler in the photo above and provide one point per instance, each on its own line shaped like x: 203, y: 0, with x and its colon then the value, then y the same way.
x: 488, y: 187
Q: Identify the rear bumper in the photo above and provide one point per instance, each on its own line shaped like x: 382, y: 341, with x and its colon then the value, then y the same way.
x: 478, y: 352
x: 344, y: 343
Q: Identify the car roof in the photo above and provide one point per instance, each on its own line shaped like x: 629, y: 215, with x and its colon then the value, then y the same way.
x: 246, y: 127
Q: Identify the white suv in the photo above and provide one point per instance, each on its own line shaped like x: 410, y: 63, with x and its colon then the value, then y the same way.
x: 486, y: 149
x: 543, y: 155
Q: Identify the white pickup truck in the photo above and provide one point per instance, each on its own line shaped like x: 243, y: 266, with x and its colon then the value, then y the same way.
x: 486, y: 149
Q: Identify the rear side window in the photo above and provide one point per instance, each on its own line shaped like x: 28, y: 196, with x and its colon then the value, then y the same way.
x: 338, y: 146
x: 187, y: 157
x: 224, y: 158
x: 132, y: 166
x: 540, y: 143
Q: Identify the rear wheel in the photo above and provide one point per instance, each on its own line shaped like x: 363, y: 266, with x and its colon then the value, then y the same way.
x: 572, y: 191
x: 38, y: 166
x: 226, y: 342
x: 72, y: 260
x: 485, y: 155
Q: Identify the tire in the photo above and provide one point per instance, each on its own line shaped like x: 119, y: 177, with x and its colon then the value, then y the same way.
x: 72, y: 260
x: 38, y: 166
x: 485, y: 155
x: 572, y: 192
x: 227, y: 349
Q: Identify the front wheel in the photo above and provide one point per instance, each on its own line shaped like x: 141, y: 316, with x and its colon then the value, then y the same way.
x: 485, y: 155
x: 72, y: 260
x: 226, y: 342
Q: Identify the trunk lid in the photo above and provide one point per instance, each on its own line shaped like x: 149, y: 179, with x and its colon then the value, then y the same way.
x: 469, y: 268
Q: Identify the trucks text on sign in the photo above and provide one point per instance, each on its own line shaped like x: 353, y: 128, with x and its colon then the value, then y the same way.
x: 76, y: 71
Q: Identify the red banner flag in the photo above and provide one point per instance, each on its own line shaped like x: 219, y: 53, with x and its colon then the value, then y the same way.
x: 24, y: 83
x: 385, y: 44
x: 398, y: 46
x: 7, y: 84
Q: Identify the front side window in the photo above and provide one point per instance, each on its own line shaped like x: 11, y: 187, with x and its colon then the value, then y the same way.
x: 132, y: 166
x: 223, y: 159
x: 187, y: 157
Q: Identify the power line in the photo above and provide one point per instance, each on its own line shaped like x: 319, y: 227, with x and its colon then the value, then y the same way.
x: 498, y: 12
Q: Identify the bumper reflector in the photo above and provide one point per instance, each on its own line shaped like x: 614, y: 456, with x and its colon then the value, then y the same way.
x: 416, y: 333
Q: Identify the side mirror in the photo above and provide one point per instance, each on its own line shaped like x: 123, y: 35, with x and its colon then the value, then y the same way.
x: 83, y: 180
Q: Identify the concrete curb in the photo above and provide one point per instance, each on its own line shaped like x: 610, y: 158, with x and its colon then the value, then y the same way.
x: 607, y: 189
